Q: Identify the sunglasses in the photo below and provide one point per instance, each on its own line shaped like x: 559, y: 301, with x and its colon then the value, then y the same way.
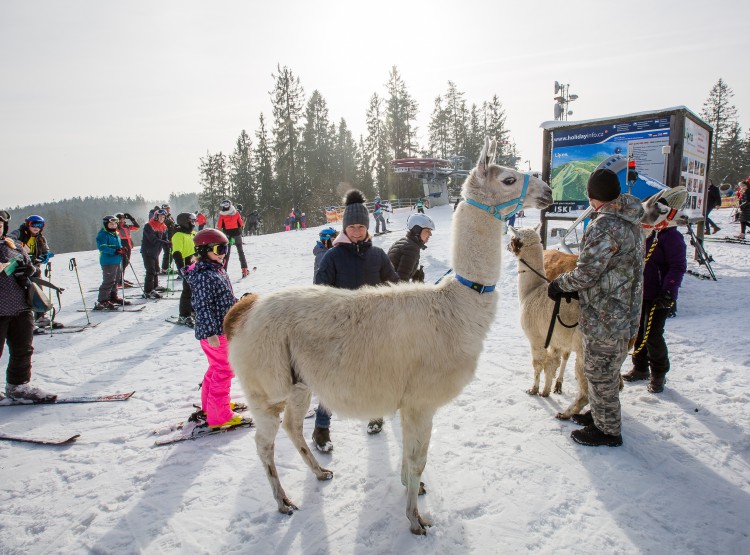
x: 219, y: 248
x: 40, y: 225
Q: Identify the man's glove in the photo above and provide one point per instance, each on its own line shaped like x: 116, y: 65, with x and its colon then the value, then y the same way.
x: 418, y: 275
x: 554, y: 291
x: 231, y: 240
x: 128, y: 216
x: 664, y: 300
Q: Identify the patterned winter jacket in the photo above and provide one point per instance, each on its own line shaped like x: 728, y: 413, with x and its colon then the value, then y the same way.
x: 404, y: 255
x: 12, y: 295
x: 212, y: 297
x: 609, y: 273
x: 350, y: 266
x: 108, y: 242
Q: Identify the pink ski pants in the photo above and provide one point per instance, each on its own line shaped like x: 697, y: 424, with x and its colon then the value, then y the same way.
x: 216, y: 383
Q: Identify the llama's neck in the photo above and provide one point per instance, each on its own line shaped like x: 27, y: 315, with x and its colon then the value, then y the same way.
x: 528, y: 281
x: 477, y: 245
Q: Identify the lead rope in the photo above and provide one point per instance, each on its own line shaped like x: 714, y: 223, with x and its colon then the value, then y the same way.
x: 650, y: 312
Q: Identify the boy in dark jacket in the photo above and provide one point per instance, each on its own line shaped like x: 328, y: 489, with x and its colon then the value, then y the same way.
x: 354, y: 262
x: 154, y: 239
x: 404, y: 253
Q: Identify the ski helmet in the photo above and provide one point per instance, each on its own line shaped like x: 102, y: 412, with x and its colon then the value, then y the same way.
x: 159, y: 212
x: 205, y: 239
x: 420, y: 221
x: 186, y: 220
x: 377, y: 199
x: 35, y: 221
x: 225, y: 205
x: 111, y: 219
x: 239, y: 207
x: 327, y: 234
x: 165, y: 206
x: 120, y: 215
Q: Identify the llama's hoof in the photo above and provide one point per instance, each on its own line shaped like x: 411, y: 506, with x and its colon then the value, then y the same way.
x: 533, y: 391
x: 562, y: 416
x: 288, y: 507
x: 544, y: 394
x: 422, y: 491
x: 420, y: 530
x: 325, y: 474
x: 558, y: 388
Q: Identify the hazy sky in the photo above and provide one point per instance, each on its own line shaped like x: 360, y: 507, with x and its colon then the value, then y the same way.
x: 102, y: 97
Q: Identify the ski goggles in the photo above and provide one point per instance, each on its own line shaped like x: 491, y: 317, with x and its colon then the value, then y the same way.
x: 113, y: 220
x: 40, y: 225
x: 219, y: 248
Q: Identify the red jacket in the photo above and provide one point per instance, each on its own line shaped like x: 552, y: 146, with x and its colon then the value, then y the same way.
x: 230, y: 222
x: 201, y: 219
x: 124, y: 231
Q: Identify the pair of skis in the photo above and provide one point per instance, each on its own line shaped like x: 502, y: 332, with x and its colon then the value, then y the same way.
x: 7, y: 402
x: 65, y: 329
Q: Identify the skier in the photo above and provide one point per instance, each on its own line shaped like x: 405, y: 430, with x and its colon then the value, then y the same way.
x: 321, y: 435
x: 31, y: 236
x: 356, y: 261
x: 124, y: 230
x: 154, y: 239
x: 200, y: 219
x: 183, y: 250
x: 212, y: 297
x: 379, y: 219
x: 230, y: 222
x: 293, y: 219
x: 110, y: 257
x: 16, y: 318
x: 303, y: 221
x: 713, y: 200
x: 166, y: 260
x: 404, y: 253
x: 419, y: 205
x: 744, y: 207
x: 297, y: 218
x: 252, y: 223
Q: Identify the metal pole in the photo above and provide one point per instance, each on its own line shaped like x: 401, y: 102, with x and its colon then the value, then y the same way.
x: 73, y: 266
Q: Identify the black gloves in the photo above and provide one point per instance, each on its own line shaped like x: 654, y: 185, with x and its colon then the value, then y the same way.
x: 664, y: 300
x: 418, y: 275
x: 554, y: 292
x: 128, y: 216
x: 119, y: 251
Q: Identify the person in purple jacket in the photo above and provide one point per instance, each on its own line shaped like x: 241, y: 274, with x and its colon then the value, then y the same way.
x: 665, y: 266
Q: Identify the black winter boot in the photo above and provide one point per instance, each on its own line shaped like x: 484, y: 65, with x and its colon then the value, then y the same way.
x: 583, y: 419
x: 656, y: 385
x: 594, y: 437
x: 322, y: 439
x: 636, y: 375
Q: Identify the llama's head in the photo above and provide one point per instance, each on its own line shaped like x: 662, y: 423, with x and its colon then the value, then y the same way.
x: 494, y: 185
x: 524, y: 239
x: 657, y: 215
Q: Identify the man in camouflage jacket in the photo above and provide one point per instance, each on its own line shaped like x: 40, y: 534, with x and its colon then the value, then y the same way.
x: 609, y: 280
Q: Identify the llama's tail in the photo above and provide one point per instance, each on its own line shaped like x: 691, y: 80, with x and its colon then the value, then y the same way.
x: 236, y: 315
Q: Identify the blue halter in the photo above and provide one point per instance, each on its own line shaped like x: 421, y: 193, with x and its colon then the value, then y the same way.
x: 495, y: 210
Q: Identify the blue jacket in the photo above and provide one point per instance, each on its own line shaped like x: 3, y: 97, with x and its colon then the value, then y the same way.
x: 212, y: 297
x: 108, y: 242
x: 350, y: 266
x: 667, y: 264
x: 153, y: 241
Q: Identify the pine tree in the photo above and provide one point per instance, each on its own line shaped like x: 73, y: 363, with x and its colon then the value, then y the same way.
x: 214, y: 183
x: 377, y: 144
x: 731, y: 163
x: 268, y: 205
x: 317, y: 160
x: 345, y: 159
x: 364, y: 179
x: 438, y: 140
x: 400, y: 117
x: 241, y: 183
x: 287, y: 99
x: 721, y: 114
x: 456, y: 120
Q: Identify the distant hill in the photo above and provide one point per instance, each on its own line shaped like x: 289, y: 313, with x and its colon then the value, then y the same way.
x: 568, y: 181
x: 72, y: 224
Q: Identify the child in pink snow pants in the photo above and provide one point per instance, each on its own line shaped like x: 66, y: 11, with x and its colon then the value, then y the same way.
x: 212, y: 297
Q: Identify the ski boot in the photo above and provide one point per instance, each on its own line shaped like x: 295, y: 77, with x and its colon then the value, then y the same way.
x: 25, y: 392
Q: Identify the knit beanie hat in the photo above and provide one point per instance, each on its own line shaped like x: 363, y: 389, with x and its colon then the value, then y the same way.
x: 355, y: 211
x: 603, y: 185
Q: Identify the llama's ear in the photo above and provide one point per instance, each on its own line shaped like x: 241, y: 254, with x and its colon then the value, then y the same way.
x: 538, y: 228
x: 493, y: 152
x: 513, y: 231
x: 484, y: 161
x: 653, y: 199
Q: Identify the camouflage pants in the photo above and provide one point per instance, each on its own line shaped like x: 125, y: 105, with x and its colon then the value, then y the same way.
x: 603, y: 359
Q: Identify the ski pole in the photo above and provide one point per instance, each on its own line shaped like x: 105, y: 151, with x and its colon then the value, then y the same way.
x: 48, y: 275
x: 73, y: 266
x: 136, y: 278
x: 122, y: 281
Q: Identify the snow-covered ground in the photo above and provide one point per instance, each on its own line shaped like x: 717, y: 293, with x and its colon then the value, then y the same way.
x: 503, y: 475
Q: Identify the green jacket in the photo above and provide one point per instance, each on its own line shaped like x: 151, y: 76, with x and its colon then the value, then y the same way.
x: 609, y: 273
x: 182, y: 247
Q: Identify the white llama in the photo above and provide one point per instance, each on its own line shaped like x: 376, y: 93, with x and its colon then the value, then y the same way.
x: 287, y: 344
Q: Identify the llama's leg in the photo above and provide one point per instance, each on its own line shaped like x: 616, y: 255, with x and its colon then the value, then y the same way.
x: 582, y: 398
x: 417, y: 429
x: 551, y: 362
x: 294, y: 415
x: 538, y: 356
x: 266, y: 428
x: 563, y: 363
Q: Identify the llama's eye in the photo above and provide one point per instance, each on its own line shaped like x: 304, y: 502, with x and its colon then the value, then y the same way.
x: 509, y: 180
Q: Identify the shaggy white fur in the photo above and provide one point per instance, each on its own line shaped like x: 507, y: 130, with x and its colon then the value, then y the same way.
x: 375, y: 350
x: 536, y: 313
